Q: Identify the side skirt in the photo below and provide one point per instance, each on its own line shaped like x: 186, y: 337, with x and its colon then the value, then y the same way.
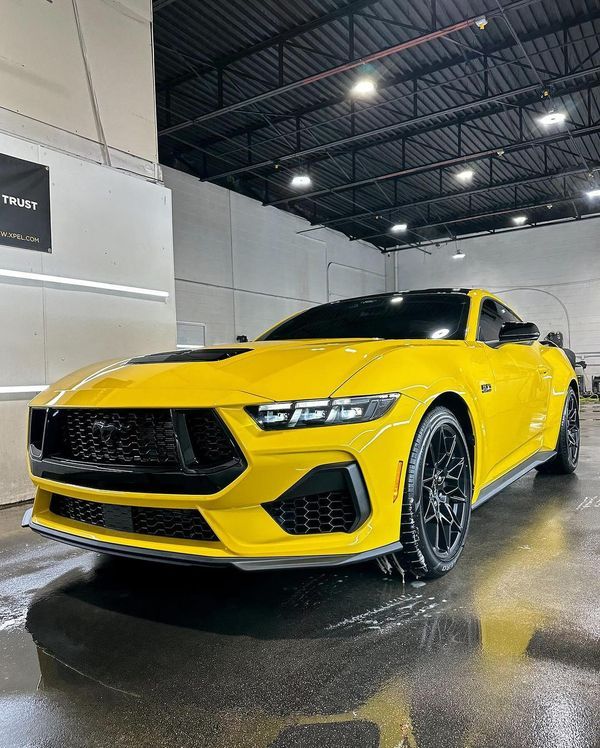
x: 517, y: 472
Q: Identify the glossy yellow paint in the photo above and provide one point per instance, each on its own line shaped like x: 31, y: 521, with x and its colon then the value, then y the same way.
x: 519, y: 417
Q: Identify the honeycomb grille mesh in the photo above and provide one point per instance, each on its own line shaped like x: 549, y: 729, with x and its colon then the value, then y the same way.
x: 139, y: 438
x: 120, y: 437
x: 212, y: 445
x: 332, y: 511
x: 188, y: 524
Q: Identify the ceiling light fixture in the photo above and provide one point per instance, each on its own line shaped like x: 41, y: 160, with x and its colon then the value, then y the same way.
x: 593, y: 193
x: 301, y: 180
x: 459, y: 255
x: 398, y: 228
x: 519, y: 220
x: 363, y: 88
x: 465, y: 176
x: 553, y: 118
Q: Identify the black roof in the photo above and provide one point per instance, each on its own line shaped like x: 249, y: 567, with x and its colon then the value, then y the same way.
x: 414, y: 292
x: 246, y: 98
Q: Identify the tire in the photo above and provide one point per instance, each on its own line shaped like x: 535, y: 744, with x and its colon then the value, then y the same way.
x: 567, y: 447
x: 436, y: 507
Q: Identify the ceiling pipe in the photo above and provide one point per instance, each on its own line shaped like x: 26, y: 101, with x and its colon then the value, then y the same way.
x: 344, y: 67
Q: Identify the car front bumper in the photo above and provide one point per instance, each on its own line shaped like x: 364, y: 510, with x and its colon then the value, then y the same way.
x: 248, y: 537
x: 189, y: 559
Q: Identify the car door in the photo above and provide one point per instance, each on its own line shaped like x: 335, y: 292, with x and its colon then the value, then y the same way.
x: 516, y: 400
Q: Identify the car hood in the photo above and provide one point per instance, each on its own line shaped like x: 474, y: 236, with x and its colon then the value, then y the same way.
x: 219, y: 375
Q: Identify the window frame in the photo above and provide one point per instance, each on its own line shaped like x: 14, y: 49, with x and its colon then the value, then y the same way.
x: 492, y: 343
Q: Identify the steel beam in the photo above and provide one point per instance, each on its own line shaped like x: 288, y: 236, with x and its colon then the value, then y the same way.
x: 378, y: 55
x: 273, y: 41
x: 431, y: 166
x: 414, y: 42
x: 479, y: 234
x: 493, y: 213
x: 464, y: 193
x: 414, y: 122
x: 462, y: 59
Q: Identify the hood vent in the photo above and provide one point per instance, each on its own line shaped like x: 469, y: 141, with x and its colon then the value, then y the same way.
x: 189, y: 356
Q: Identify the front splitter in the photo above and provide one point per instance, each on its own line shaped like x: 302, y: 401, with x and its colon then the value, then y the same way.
x: 190, y: 559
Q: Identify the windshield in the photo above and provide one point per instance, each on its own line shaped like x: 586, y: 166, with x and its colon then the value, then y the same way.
x: 397, y: 316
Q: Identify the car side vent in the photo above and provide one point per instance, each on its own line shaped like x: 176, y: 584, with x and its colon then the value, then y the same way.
x: 189, y: 356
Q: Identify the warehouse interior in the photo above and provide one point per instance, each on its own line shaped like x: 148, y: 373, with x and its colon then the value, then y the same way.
x: 213, y: 168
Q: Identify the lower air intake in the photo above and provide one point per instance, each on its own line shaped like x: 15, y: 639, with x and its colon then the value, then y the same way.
x: 320, y: 513
x: 328, y: 499
x: 187, y: 524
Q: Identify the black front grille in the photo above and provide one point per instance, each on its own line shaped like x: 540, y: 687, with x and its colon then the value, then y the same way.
x: 332, y: 511
x: 211, y: 443
x: 114, y: 437
x: 169, y: 523
x: 139, y: 437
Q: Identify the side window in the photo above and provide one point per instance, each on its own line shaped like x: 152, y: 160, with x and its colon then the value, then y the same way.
x: 490, y: 322
x: 493, y: 315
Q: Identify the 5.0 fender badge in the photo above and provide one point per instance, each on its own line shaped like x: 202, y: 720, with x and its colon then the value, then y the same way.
x: 485, y: 387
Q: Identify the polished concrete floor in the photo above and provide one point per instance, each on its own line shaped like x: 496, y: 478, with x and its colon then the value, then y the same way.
x: 502, y: 652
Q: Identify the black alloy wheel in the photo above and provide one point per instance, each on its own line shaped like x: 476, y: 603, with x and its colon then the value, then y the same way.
x: 445, y: 490
x: 438, y: 491
x: 569, y: 439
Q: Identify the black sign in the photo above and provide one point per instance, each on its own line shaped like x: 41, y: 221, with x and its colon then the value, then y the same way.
x: 24, y: 204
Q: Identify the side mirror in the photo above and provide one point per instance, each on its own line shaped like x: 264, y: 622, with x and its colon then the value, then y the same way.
x: 518, y: 332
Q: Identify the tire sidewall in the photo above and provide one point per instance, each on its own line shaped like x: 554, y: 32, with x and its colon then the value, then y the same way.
x: 430, y: 424
x: 563, y: 441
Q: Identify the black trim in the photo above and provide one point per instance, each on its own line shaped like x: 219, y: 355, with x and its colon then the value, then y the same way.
x: 344, y: 476
x: 517, y: 472
x: 136, y: 480
x: 246, y: 564
x: 189, y: 355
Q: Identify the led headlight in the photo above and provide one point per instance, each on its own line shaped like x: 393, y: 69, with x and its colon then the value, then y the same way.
x: 328, y: 412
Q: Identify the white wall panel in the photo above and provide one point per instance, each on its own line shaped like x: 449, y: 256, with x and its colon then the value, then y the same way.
x: 226, y: 241
x: 43, y: 76
x: 255, y: 313
x: 211, y: 305
x: 268, y: 252
x: 107, y: 226
x: 203, y: 254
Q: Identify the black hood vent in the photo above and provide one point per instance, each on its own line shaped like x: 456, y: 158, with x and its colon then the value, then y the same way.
x: 189, y: 355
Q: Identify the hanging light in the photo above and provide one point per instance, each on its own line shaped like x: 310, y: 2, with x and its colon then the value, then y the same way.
x: 519, y: 220
x: 301, y: 180
x: 459, y: 254
x: 399, y: 228
x: 553, y: 118
x: 465, y: 176
x: 593, y: 193
x: 364, y: 87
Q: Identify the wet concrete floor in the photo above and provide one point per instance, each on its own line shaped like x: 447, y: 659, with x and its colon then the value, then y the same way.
x: 503, y: 652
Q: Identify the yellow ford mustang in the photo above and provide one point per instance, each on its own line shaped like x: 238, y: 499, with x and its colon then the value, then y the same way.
x: 364, y: 428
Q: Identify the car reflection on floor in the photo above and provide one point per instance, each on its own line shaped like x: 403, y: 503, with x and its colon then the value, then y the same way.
x: 304, y: 659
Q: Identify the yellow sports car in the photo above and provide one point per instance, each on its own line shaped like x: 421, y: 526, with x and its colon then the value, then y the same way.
x: 363, y: 428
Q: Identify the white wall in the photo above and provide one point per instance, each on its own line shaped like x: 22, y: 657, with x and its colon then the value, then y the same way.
x: 107, y: 226
x: 77, y: 94
x: 240, y: 267
x: 45, y: 92
x: 549, y: 274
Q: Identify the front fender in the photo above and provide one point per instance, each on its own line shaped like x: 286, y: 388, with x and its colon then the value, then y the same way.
x: 425, y: 373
